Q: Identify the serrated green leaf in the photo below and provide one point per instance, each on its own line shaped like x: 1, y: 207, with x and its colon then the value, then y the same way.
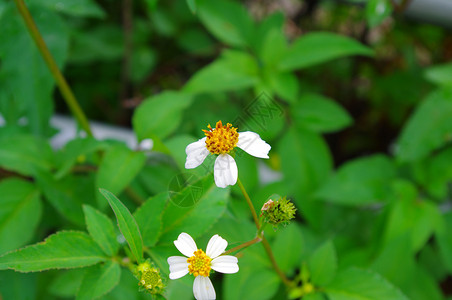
x: 323, y: 264
x: 160, y: 115
x: 320, y: 47
x: 20, y: 212
x: 428, y: 128
x: 361, y: 181
x: 149, y: 219
x: 64, y: 249
x: 99, y: 280
x: 118, y: 168
x: 126, y: 224
x: 193, y: 210
x: 25, y: 154
x: 359, y: 284
x: 319, y: 114
x: 233, y: 70
x: 100, y: 227
x: 226, y: 20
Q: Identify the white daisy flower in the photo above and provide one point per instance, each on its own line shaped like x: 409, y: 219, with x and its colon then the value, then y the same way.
x: 221, y: 140
x: 199, y: 263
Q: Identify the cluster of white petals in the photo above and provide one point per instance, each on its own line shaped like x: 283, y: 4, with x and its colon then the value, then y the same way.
x: 202, y: 286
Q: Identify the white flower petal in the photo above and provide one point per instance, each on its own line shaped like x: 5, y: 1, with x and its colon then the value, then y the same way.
x: 225, y: 264
x: 203, y: 288
x: 196, y: 153
x: 251, y: 143
x: 216, y: 246
x: 178, y: 266
x: 225, y: 171
x: 185, y: 244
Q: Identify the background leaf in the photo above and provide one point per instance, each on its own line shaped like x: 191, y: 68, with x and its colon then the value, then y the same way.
x: 323, y: 264
x: 99, y: 280
x: 64, y: 249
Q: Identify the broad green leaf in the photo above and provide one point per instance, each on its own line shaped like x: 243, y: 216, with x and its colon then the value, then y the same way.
x: 443, y: 236
x: 68, y: 194
x: 251, y: 283
x: 193, y: 210
x: 320, y: 114
x: 412, y: 215
x: 78, y: 8
x: 323, y: 264
x: 287, y: 248
x: 440, y: 75
x: 99, y: 280
x: 64, y: 249
x: 25, y: 154
x: 428, y: 128
x: 233, y: 70
x: 319, y: 47
x: 118, y: 168
x: 75, y: 151
x: 149, y: 220
x: 284, y: 84
x: 20, y: 212
x: 358, y: 284
x: 126, y: 224
x: 274, y: 47
x: 377, y: 11
x: 67, y: 283
x: 305, y: 160
x: 361, y: 181
x: 26, y: 84
x: 100, y: 227
x: 160, y: 115
x: 226, y: 20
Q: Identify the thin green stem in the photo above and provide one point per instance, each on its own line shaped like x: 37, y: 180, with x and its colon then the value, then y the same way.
x: 250, y: 204
x: 66, y: 91
x: 260, y: 234
x: 257, y: 239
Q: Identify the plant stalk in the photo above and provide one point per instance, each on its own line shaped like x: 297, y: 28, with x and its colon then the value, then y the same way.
x: 65, y: 90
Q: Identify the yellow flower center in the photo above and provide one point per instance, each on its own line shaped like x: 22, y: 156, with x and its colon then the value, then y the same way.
x: 199, y: 263
x: 221, y: 139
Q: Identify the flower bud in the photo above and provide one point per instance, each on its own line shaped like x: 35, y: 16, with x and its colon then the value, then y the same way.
x: 149, y: 278
x: 279, y: 211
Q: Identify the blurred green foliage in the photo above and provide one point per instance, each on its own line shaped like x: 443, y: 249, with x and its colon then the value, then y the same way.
x: 356, y: 103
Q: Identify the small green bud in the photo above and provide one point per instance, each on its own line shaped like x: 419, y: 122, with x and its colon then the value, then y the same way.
x: 149, y: 278
x: 279, y: 211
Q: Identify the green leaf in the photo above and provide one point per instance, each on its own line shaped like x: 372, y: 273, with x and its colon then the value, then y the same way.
x: 101, y: 228
x: 67, y: 283
x: 160, y: 115
x: 77, y: 8
x: 25, y: 154
x: 428, y: 128
x: 320, y: 47
x: 377, y: 11
x: 361, y: 181
x: 358, y: 284
x: 126, y: 224
x: 305, y: 160
x: 444, y: 238
x: 411, y: 215
x: 274, y: 47
x: 149, y: 219
x: 26, y: 85
x: 265, y: 284
x: 233, y: 70
x: 64, y: 249
x: 118, y: 168
x: 20, y: 212
x: 287, y: 248
x: 320, y: 114
x: 14, y: 285
x: 192, y: 5
x: 440, y: 75
x: 323, y: 264
x: 99, y: 280
x: 193, y: 210
x: 226, y: 20
x: 284, y: 84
